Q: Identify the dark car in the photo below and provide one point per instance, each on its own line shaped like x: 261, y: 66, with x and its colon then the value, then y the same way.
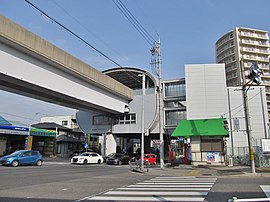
x: 117, y: 159
x: 22, y: 157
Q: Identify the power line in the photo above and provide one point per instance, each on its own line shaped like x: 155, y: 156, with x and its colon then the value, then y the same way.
x: 77, y: 36
x: 83, y: 26
x: 80, y: 38
x: 17, y: 116
x: 241, y: 105
x: 71, y: 32
x: 136, y: 24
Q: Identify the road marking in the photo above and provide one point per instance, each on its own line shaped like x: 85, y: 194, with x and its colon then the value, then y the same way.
x: 163, y: 193
x: 148, y: 198
x: 160, y: 189
x: 177, y: 183
x: 266, y: 189
x: 177, y: 186
x: 166, y: 188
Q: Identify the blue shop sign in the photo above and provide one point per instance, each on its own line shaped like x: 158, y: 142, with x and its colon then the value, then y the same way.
x: 14, y: 130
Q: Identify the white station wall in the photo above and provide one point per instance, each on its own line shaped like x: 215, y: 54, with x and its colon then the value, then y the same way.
x: 206, y: 92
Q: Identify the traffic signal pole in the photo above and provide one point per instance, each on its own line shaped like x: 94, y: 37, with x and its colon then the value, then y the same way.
x: 254, y: 76
x: 249, y: 135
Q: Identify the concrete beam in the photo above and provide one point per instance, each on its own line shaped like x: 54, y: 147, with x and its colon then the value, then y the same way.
x: 14, y: 35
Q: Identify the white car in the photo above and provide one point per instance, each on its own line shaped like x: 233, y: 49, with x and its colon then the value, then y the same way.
x: 87, y: 157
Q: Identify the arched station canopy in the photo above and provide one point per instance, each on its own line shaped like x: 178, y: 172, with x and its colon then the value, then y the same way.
x: 131, y: 77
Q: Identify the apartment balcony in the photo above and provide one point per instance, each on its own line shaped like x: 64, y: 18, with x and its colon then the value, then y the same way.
x: 255, y: 51
x: 267, y: 90
x: 253, y: 33
x: 254, y: 43
x: 225, y: 56
x: 225, y: 40
x: 256, y: 58
x: 231, y: 77
x: 224, y: 48
x: 266, y: 83
x: 230, y: 69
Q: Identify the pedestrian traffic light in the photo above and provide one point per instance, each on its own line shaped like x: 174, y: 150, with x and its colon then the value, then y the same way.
x: 255, y: 74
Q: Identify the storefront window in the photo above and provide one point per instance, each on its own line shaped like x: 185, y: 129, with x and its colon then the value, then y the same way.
x: 211, y: 144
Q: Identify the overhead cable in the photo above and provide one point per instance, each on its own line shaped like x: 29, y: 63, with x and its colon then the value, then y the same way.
x: 83, y: 26
x: 73, y: 33
x: 136, y: 24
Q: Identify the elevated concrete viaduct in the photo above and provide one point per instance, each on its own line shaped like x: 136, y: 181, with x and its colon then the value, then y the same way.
x: 33, y: 67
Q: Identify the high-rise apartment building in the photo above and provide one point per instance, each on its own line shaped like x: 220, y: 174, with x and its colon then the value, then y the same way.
x: 238, y: 49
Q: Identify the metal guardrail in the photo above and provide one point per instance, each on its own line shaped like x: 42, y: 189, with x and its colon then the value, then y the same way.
x: 234, y: 199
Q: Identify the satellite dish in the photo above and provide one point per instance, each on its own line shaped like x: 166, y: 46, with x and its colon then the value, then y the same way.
x: 84, y: 120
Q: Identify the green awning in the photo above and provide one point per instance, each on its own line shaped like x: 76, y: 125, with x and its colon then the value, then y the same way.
x: 202, y: 127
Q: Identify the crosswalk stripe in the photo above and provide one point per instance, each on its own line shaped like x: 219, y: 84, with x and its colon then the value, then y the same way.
x: 266, y: 190
x: 184, y: 180
x: 177, y: 186
x: 176, y: 183
x: 165, y: 188
x: 163, y: 193
x: 161, y: 189
x: 148, y: 198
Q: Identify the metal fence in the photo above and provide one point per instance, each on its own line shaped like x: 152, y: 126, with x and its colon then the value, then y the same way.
x: 240, y: 156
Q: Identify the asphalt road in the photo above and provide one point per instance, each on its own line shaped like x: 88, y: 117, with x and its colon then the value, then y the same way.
x: 60, y: 181
x: 241, y: 187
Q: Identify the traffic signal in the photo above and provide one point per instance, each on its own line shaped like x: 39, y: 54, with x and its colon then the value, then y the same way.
x: 226, y: 124
x: 255, y: 74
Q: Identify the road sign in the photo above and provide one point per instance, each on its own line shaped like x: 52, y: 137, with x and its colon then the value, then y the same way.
x: 85, y: 145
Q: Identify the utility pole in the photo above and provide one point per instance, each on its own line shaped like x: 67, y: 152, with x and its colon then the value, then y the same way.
x: 156, y: 51
x: 254, y: 76
x: 249, y: 136
x: 160, y: 107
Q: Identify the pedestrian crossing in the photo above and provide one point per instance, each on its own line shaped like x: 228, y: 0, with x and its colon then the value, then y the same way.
x: 161, y: 189
x: 266, y: 190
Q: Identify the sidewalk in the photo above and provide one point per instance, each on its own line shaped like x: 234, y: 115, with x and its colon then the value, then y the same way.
x: 208, y: 171
x: 190, y: 170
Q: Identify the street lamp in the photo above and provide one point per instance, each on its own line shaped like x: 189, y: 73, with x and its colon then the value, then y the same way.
x: 142, y: 120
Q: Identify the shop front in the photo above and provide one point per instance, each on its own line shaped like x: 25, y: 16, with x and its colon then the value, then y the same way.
x: 12, y: 138
x: 41, y: 140
x: 204, y: 140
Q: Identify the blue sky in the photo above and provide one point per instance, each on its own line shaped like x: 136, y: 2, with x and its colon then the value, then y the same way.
x: 188, y: 31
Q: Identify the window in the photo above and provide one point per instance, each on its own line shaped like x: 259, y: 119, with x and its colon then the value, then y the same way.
x: 172, y: 118
x: 28, y: 153
x: 102, y: 120
x: 126, y: 119
x: 70, y: 146
x: 64, y: 123
x: 211, y: 144
x: 175, y: 89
